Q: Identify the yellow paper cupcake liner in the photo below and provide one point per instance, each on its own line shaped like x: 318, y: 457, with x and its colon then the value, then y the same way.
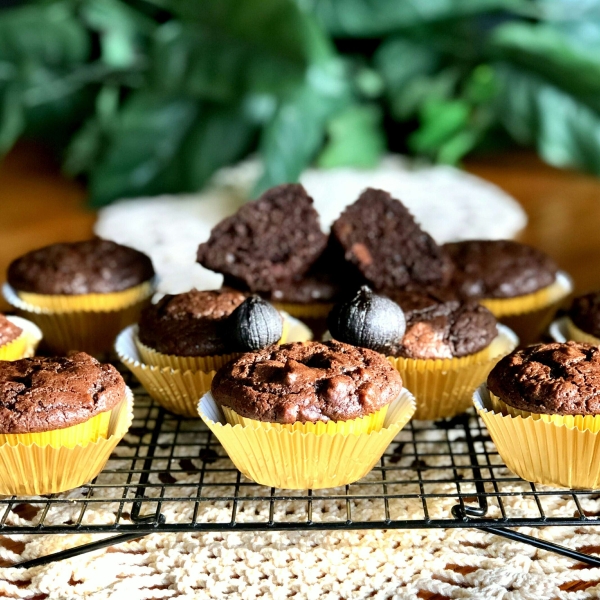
x: 444, y: 387
x: 313, y: 310
x: 25, y: 345
x: 90, y: 302
x: 90, y: 331
x: 574, y: 333
x: 285, y: 459
x: 28, y: 470
x: 177, y: 391
x: 366, y: 424
x: 542, y: 450
x: 529, y: 315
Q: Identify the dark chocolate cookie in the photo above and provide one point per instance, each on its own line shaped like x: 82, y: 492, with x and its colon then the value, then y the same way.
x: 585, y: 313
x: 439, y: 326
x: 553, y: 378
x: 41, y: 394
x: 190, y: 324
x: 275, y: 238
x: 94, y: 266
x: 499, y: 268
x: 384, y: 241
x: 307, y: 382
x: 8, y: 331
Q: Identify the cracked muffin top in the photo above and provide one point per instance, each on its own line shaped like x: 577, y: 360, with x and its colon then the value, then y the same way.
x: 41, y: 394
x: 91, y: 267
x: 561, y: 379
x: 307, y: 382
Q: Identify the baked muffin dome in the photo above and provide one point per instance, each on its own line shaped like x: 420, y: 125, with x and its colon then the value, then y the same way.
x: 41, y: 394
x: 91, y: 267
x: 307, y: 382
x: 585, y: 313
x: 440, y: 326
x: 8, y: 331
x: 552, y: 378
x: 190, y: 324
x: 499, y: 268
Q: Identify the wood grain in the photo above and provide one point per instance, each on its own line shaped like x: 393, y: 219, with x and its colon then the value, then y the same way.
x: 39, y: 206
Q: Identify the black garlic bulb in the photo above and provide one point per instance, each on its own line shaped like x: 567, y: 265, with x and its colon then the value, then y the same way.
x: 254, y: 324
x: 368, y: 320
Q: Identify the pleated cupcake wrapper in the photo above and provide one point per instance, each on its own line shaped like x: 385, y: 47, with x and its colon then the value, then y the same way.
x: 26, y: 344
x: 366, y: 424
x: 444, y: 387
x: 313, y: 310
x: 541, y: 450
x: 574, y: 333
x: 27, y: 470
x: 293, y: 331
x: 529, y: 315
x: 177, y: 391
x: 286, y: 459
x: 90, y: 302
x: 91, y: 331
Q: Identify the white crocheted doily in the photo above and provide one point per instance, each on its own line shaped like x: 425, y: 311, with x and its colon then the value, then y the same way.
x: 450, y: 204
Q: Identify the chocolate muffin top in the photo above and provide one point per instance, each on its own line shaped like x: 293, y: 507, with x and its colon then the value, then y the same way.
x: 585, y: 313
x: 553, y: 378
x: 307, y: 382
x: 92, y: 267
x: 438, y: 326
x: 41, y: 394
x: 499, y: 268
x: 275, y: 238
x: 190, y: 324
x: 384, y: 241
x: 8, y: 331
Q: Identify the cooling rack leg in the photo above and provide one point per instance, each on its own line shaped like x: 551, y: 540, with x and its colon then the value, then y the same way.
x: 77, y: 550
x: 543, y: 545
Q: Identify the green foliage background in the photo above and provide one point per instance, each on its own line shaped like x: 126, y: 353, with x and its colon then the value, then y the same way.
x: 152, y: 96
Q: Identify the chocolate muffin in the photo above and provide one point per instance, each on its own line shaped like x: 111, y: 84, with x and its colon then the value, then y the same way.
x: 42, y: 394
x: 190, y: 324
x: 91, y: 267
x: 555, y: 378
x: 440, y: 326
x: 276, y: 238
x: 307, y: 382
x: 585, y: 313
x: 499, y: 268
x: 8, y: 331
x: 382, y: 239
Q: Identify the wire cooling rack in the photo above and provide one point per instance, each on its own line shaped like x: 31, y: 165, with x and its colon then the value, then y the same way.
x: 170, y: 474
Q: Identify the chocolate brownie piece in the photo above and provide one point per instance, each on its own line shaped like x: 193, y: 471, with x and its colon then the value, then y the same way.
x: 190, y: 324
x: 561, y: 379
x: 384, y: 241
x: 499, y: 268
x: 42, y: 394
x: 585, y: 313
x: 92, y: 267
x: 439, y: 326
x: 8, y: 331
x: 307, y: 382
x: 274, y: 238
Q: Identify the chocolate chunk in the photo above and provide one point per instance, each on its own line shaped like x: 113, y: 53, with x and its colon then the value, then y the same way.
x: 499, y: 268
x: 190, y: 324
x: 94, y: 266
x: 276, y: 238
x: 389, y: 248
x: 553, y: 378
x: 440, y: 326
x: 585, y: 313
x: 42, y: 394
x: 307, y: 382
x: 8, y: 331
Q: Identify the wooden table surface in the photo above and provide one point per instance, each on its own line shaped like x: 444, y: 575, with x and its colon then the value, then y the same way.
x: 39, y: 206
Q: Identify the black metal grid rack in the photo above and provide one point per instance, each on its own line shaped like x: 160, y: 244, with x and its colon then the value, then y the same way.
x: 170, y: 474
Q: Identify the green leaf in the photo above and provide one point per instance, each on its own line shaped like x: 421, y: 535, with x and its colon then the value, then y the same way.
x: 372, y: 18
x: 441, y: 120
x: 141, y: 147
x: 565, y: 130
x: 355, y: 139
x: 12, y: 117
